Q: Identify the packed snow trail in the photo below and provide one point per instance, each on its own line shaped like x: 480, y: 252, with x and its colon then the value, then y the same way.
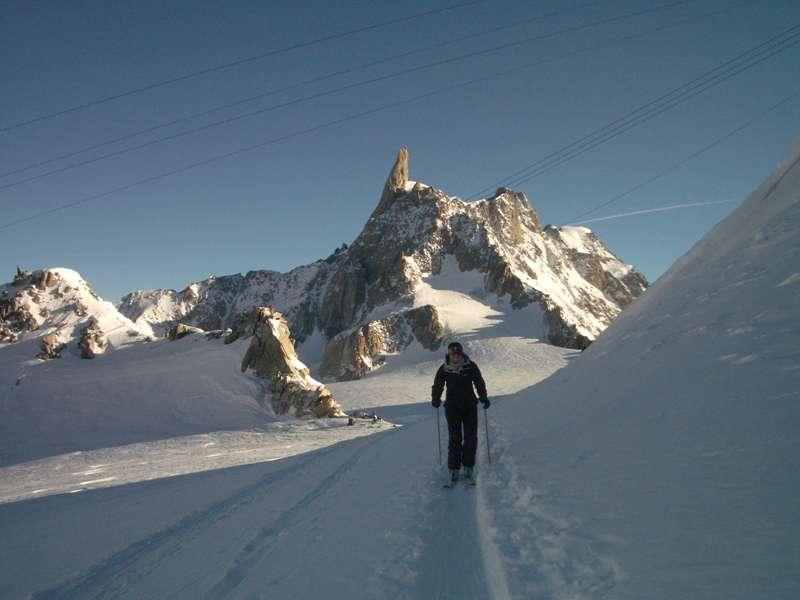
x: 664, y: 461
x: 284, y: 508
x: 452, y: 565
x: 364, y: 518
x: 119, y: 465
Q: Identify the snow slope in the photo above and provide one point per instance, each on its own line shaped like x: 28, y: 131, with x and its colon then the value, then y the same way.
x: 144, y: 392
x: 66, y: 304
x: 178, y: 483
x: 362, y: 296
x: 338, y: 523
x: 272, y: 513
x: 664, y: 462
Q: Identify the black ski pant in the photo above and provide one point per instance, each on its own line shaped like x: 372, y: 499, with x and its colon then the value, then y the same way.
x: 462, y: 425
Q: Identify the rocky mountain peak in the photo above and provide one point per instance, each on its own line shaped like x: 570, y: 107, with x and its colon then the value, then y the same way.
x: 396, y: 182
x: 58, y: 310
x: 514, y: 205
x: 363, y: 299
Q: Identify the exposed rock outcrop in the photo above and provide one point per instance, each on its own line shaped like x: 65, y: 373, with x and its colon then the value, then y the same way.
x: 91, y: 341
x: 16, y: 317
x: 21, y: 276
x: 353, y: 354
x: 6, y: 335
x: 45, y: 279
x: 560, y: 333
x: 181, y: 330
x: 397, y: 180
x: 58, y: 306
x: 50, y: 346
x: 579, y: 285
x: 272, y: 356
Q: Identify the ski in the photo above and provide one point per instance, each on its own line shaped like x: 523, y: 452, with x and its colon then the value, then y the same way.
x: 468, y: 480
x: 469, y: 476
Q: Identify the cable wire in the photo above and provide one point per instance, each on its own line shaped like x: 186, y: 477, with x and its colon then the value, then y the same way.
x: 656, y: 113
x: 449, y: 88
x: 299, y: 84
x: 239, y: 62
x: 522, y: 174
x: 683, y: 161
x: 339, y: 89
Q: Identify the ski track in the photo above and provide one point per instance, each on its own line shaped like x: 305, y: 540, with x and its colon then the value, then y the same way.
x: 437, y: 545
x: 531, y: 549
x: 452, y: 566
x: 112, y: 576
x: 265, y: 539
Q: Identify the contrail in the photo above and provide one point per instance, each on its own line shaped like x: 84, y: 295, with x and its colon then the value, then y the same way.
x: 652, y: 210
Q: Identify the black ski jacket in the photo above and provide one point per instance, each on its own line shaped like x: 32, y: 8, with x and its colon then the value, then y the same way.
x: 459, y: 380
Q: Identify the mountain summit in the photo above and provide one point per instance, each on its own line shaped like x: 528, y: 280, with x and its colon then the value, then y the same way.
x: 56, y: 309
x: 426, y: 266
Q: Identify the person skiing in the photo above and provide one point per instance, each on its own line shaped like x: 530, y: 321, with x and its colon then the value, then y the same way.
x: 460, y: 374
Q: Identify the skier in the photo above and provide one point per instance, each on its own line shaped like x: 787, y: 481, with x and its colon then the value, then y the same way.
x: 460, y: 374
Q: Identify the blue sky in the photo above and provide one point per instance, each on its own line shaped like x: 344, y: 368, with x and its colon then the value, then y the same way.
x: 293, y: 202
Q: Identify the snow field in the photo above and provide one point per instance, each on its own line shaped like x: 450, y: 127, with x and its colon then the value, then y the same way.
x: 663, y: 461
x: 275, y: 526
x: 121, y: 465
x: 273, y: 529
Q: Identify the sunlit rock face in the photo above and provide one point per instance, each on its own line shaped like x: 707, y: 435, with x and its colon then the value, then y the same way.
x: 357, y: 299
x: 60, y: 310
x: 271, y: 355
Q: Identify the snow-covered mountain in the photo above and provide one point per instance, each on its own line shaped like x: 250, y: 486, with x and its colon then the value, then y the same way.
x: 661, y: 462
x: 423, y: 262
x: 664, y: 461
x: 139, y: 387
x: 58, y: 309
x: 425, y: 267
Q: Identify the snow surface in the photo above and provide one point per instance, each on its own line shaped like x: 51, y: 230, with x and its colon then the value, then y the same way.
x: 575, y: 237
x: 264, y: 512
x: 53, y: 310
x: 179, y: 481
x: 467, y: 310
x: 141, y: 393
x: 145, y: 461
x: 662, y: 462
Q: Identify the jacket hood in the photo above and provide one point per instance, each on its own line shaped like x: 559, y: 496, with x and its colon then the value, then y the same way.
x: 465, y: 361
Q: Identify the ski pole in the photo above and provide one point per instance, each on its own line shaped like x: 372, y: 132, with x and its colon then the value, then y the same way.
x: 439, y: 436
x: 486, y: 427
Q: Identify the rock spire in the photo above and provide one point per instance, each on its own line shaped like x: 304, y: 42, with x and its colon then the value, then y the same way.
x: 272, y: 356
x: 398, y: 178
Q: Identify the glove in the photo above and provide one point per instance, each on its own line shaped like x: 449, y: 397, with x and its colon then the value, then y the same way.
x: 436, y: 403
x: 486, y: 403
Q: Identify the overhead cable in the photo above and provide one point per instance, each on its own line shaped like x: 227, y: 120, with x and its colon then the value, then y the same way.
x: 730, y: 68
x: 683, y: 161
x: 229, y: 120
x: 317, y: 79
x: 449, y: 88
x: 238, y: 62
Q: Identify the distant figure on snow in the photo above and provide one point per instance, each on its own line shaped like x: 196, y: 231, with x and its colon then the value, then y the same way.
x: 460, y: 374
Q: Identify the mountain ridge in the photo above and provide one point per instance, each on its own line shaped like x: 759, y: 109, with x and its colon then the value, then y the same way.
x: 565, y: 273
